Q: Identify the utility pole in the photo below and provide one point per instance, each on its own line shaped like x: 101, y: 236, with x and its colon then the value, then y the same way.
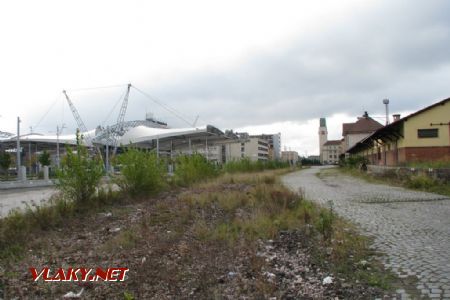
x: 107, y: 151
x: 18, y: 150
x: 58, y: 132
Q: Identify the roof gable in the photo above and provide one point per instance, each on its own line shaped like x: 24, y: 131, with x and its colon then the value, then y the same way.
x: 364, y: 125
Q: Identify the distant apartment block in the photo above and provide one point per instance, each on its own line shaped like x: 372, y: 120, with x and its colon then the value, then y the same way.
x: 253, y: 148
x: 331, y: 151
x: 274, y: 143
x: 290, y: 156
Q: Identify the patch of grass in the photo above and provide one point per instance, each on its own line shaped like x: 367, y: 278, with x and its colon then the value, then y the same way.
x: 267, y: 207
x: 430, y: 164
x: 125, y: 239
x: 246, y: 165
x: 416, y: 182
x: 351, y: 257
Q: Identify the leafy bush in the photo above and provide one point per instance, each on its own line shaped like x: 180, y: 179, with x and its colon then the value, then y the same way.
x: 79, y: 175
x: 141, y: 172
x: 420, y: 182
x: 191, y: 169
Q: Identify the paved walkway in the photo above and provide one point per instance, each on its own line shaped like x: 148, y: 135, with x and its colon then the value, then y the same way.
x: 18, y: 198
x: 411, y: 228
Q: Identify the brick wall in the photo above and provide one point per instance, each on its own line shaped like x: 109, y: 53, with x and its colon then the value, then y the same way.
x: 412, y: 154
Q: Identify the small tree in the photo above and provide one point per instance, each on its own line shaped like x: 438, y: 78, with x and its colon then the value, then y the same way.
x: 141, y: 172
x: 5, y: 161
x: 44, y: 158
x: 80, y: 174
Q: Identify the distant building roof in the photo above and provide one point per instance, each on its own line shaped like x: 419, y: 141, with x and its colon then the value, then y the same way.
x: 365, y: 124
x: 332, y: 142
x: 323, y: 122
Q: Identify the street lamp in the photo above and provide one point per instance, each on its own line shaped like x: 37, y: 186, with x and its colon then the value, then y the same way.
x: 386, y: 103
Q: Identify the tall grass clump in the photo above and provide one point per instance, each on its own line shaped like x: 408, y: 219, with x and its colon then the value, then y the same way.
x: 141, y: 172
x: 246, y: 165
x: 79, y: 175
x: 193, y: 168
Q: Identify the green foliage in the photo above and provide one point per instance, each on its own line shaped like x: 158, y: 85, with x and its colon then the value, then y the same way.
x: 444, y: 164
x: 79, y: 175
x: 246, y: 165
x: 309, y: 162
x: 324, y: 223
x: 128, y: 296
x: 16, y: 227
x: 44, y: 158
x: 5, y: 161
x: 353, y: 162
x: 420, y: 182
x: 193, y: 168
x: 141, y: 172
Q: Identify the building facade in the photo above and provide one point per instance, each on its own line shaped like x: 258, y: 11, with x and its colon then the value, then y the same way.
x: 290, y: 156
x: 331, y: 151
x: 253, y: 148
x: 274, y: 144
x: 419, y: 137
x: 352, y: 133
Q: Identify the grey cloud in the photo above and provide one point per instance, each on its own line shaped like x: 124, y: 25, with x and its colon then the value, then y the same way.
x: 398, y: 50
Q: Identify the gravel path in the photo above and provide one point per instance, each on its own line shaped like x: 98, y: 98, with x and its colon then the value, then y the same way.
x: 411, y: 228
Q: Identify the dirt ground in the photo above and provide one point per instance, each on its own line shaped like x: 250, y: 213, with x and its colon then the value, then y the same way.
x: 158, y: 240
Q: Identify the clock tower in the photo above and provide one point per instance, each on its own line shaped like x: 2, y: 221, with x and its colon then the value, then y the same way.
x: 323, y: 137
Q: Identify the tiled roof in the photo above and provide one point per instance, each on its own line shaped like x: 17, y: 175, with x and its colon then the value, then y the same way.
x: 332, y: 142
x: 364, y: 124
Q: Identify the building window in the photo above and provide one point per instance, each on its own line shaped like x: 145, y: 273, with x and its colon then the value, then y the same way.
x: 427, y: 133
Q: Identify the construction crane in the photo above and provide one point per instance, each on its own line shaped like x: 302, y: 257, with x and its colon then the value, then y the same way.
x: 80, y: 123
x: 78, y: 119
x: 119, y: 124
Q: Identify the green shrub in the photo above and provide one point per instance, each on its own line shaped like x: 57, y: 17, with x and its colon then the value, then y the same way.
x: 79, y: 175
x: 141, y: 172
x: 5, y: 161
x: 193, y: 168
x: 420, y: 182
x: 352, y: 162
x: 44, y: 158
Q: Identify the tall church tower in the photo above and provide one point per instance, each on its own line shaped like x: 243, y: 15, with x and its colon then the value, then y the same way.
x: 323, y: 136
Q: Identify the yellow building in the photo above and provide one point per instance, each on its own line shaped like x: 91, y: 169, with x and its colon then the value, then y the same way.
x: 421, y: 136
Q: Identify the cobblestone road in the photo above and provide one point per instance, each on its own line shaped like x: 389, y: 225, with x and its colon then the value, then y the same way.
x: 411, y: 228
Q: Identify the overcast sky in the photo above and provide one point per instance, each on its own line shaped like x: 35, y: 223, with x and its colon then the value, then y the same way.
x: 261, y: 66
